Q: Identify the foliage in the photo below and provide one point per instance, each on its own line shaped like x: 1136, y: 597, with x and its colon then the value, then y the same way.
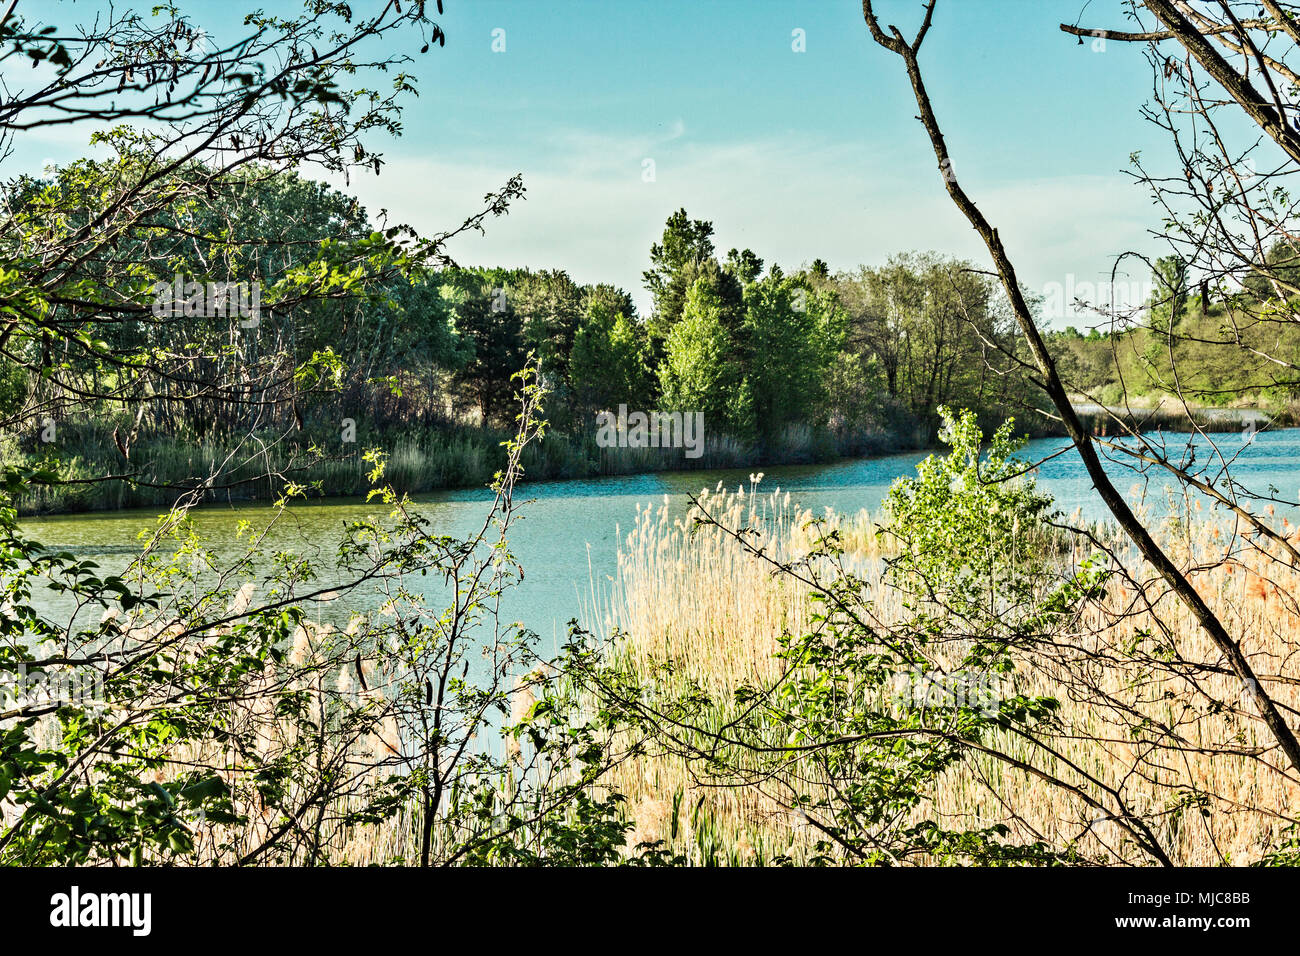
x: 700, y: 372
x: 208, y: 726
x: 200, y: 706
x: 610, y: 362
x: 868, y: 714
x: 791, y: 334
x: 686, y: 245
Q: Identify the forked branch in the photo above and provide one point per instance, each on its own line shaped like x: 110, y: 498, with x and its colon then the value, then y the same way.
x: 892, y: 39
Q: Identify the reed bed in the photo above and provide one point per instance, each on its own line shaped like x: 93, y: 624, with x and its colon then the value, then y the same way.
x: 420, y: 459
x: 1213, y: 788
x: 1210, y: 783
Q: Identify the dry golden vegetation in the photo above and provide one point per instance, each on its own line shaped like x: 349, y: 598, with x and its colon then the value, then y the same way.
x: 1148, y: 711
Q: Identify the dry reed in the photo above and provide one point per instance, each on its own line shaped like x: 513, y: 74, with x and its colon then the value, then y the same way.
x: 1213, y: 787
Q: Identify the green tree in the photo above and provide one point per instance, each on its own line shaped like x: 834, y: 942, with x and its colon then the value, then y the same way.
x: 549, y: 307
x: 936, y: 329
x: 791, y: 335
x: 700, y: 372
x: 745, y: 266
x: 686, y: 245
x: 1278, y: 276
x: 1169, y: 298
x: 610, y: 364
x: 485, y: 316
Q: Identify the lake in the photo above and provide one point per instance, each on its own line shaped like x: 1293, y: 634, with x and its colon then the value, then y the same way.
x: 568, y: 537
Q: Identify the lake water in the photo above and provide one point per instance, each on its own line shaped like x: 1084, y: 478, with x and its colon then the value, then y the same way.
x: 568, y: 537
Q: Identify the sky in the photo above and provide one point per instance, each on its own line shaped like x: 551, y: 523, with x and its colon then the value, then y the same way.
x: 796, y: 153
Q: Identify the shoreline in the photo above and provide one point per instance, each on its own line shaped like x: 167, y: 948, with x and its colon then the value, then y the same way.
x: 563, y: 460
x: 417, y: 463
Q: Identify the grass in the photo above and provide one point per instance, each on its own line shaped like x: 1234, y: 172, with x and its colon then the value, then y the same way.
x: 696, y: 599
x: 257, y: 467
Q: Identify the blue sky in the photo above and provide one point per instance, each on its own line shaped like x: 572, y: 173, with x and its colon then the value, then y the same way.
x: 797, y: 155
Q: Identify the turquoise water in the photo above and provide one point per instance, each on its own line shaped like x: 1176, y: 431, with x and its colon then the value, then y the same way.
x: 568, y: 535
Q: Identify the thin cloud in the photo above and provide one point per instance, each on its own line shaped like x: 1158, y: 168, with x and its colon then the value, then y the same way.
x: 791, y: 200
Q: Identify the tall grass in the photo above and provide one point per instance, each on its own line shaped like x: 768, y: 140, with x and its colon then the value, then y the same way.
x: 695, y: 598
x: 422, y: 459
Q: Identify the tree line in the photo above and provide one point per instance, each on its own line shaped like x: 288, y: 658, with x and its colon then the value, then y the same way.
x: 1207, y: 342
x: 800, y: 363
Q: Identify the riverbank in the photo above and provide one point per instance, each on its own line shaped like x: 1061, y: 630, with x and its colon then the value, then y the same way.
x: 444, y: 457
x: 1173, y: 417
x: 691, y: 605
x: 418, y: 460
x: 572, y: 528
